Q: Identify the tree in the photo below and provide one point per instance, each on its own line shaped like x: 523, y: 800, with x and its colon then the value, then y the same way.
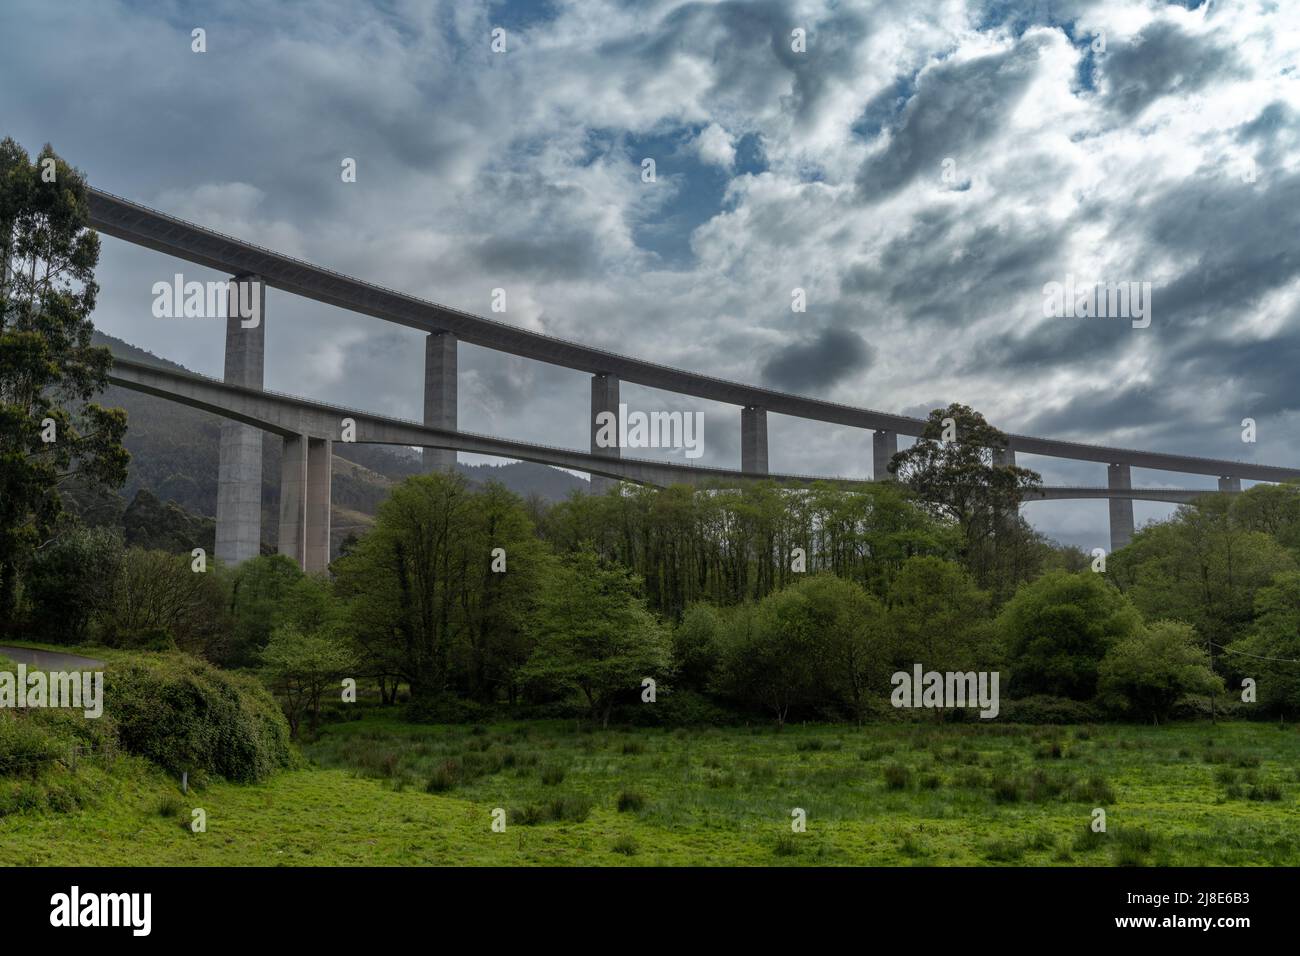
x: 953, y: 470
x: 695, y: 645
x: 1273, y: 510
x: 50, y: 431
x: 1270, y: 652
x: 760, y: 666
x: 1148, y: 672
x: 845, y: 630
x: 441, y: 591
x: 159, y: 599
x: 1203, y: 567
x: 504, y: 570
x: 1058, y: 629
x: 937, y: 615
x: 819, y: 645
x: 299, y: 665
x: 71, y: 581
x: 258, y: 592
x: 595, y: 635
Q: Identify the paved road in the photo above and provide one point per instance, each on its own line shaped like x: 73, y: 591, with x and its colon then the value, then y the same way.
x: 49, y: 660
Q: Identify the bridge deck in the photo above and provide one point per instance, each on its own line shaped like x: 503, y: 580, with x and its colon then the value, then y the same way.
x: 152, y: 229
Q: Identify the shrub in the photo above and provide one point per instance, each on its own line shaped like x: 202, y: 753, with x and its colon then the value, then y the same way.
x: 553, y: 774
x: 1088, y: 840
x: 444, y: 778
x: 1004, y: 851
x: 1133, y: 846
x: 26, y: 746
x: 1045, y: 709
x: 786, y: 845
x: 1265, y: 791
x: 897, y: 777
x: 626, y: 845
x: 184, y: 714
x: 631, y: 801
x: 571, y: 808
x: 446, y: 709
x: 1095, y: 791
x: 1006, y: 790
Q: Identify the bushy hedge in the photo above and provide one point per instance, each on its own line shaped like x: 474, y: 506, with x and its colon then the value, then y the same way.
x: 1046, y: 709
x: 26, y: 746
x: 186, y: 715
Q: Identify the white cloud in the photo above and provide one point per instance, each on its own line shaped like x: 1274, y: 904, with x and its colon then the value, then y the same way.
x: 714, y: 146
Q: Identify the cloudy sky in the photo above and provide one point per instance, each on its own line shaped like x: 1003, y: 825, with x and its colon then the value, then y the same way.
x: 921, y: 169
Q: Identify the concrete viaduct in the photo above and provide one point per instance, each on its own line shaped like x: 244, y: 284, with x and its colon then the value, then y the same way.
x: 309, y: 427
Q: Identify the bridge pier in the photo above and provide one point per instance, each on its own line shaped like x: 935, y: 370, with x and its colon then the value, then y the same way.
x: 1004, y: 457
x: 316, y: 557
x: 753, y: 440
x: 604, y: 398
x: 884, y: 445
x: 293, y: 499
x: 1121, y: 509
x: 440, y: 395
x: 305, y: 501
x: 239, y: 469
x: 1230, y: 484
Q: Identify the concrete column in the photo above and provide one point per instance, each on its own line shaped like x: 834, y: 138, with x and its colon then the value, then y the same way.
x: 1003, y: 458
x: 1121, y: 509
x: 239, y: 470
x: 1230, y: 484
x: 293, y: 499
x: 884, y: 445
x: 604, y: 398
x: 753, y: 440
x: 316, y: 553
x: 440, y: 395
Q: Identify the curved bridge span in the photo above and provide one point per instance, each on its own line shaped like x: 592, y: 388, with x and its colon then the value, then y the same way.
x: 238, y: 510
x: 305, y: 423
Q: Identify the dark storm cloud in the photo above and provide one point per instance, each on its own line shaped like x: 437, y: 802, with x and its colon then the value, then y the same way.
x: 570, y: 256
x: 1262, y: 373
x: 956, y: 107
x: 992, y: 269
x: 1100, y: 410
x: 817, y: 363
x: 1162, y: 60
x: 1088, y: 346
x: 1272, y: 120
x: 1238, y: 241
x: 748, y: 48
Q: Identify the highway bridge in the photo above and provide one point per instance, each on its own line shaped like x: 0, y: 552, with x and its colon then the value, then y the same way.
x: 309, y: 427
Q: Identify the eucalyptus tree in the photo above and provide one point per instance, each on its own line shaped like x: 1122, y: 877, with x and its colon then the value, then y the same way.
x: 50, y: 430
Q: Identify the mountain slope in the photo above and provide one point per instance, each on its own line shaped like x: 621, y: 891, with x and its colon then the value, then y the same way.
x: 174, y: 451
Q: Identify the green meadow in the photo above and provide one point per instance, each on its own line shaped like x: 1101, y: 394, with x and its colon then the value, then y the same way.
x: 377, y: 791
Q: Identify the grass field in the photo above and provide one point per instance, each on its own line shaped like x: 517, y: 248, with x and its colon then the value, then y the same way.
x: 382, y: 792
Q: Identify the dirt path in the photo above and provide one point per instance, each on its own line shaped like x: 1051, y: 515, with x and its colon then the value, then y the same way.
x: 49, y: 660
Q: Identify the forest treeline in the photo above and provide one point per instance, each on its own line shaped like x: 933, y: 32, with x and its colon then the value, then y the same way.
x: 760, y: 602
